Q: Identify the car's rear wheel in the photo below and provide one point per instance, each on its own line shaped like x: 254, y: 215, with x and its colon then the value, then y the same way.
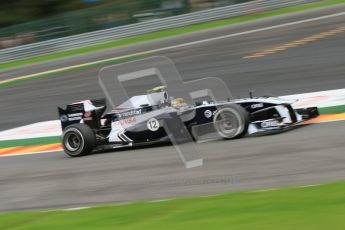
x: 78, y: 140
x: 231, y: 121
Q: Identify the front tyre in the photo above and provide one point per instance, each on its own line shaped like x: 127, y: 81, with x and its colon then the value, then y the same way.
x: 78, y: 140
x: 231, y: 121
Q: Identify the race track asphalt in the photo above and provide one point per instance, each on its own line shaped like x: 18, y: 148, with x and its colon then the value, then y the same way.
x: 307, y: 155
x: 312, y: 154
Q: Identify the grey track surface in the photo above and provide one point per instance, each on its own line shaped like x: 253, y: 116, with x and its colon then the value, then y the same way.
x: 307, y: 155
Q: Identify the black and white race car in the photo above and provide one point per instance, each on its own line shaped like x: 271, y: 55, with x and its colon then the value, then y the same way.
x: 156, y: 117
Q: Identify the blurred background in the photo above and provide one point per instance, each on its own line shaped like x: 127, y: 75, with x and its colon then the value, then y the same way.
x: 27, y: 21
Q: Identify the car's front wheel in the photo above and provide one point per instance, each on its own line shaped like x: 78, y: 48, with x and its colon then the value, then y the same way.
x: 78, y: 140
x: 231, y: 121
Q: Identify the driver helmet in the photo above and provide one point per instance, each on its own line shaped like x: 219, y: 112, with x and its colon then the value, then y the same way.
x: 178, y: 103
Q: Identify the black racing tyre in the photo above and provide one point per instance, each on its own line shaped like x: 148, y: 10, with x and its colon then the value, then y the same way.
x: 78, y: 140
x: 231, y: 121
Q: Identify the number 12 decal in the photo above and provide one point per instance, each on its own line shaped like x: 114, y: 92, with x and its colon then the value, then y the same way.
x: 153, y: 124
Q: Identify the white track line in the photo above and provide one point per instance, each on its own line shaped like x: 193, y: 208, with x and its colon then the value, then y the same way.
x: 184, y: 45
x: 248, y: 32
x: 310, y: 185
x: 173, y: 199
x: 282, y: 188
x: 75, y: 209
x: 161, y: 200
x: 265, y: 190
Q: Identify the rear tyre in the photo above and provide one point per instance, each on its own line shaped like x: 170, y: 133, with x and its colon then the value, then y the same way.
x: 231, y: 121
x: 78, y: 140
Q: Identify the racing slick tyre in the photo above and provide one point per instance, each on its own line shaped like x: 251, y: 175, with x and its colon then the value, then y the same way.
x: 231, y: 121
x: 78, y: 140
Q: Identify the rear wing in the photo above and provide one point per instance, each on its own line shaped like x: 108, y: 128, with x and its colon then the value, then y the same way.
x: 88, y: 112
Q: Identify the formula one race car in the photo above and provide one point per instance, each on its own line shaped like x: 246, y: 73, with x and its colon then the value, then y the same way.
x: 156, y: 117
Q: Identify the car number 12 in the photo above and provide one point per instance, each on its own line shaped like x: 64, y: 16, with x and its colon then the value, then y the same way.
x: 153, y: 124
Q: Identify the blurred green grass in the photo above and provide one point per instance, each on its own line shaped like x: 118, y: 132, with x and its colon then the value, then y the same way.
x: 314, y: 207
x: 167, y: 33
